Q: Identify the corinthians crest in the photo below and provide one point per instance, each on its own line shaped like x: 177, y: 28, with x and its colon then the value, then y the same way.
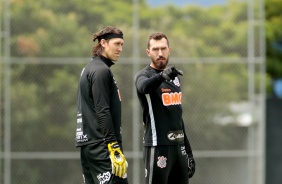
x: 161, y: 162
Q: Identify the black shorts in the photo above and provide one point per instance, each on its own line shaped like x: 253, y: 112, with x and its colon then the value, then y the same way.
x: 96, y: 165
x: 166, y: 164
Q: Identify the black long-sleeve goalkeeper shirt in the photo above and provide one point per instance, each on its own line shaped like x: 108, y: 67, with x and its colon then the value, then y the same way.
x: 98, y: 104
x: 162, y: 110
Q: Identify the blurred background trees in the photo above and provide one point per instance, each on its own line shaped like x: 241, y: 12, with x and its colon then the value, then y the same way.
x: 273, y: 28
x: 51, y: 41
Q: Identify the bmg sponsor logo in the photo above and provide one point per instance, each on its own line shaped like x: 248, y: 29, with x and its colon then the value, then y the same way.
x: 171, y: 98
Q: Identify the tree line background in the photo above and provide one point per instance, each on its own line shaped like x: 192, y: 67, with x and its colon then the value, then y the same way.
x: 51, y: 41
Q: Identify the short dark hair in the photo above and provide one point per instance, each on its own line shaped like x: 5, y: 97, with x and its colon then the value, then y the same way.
x: 157, y: 36
x: 98, y: 49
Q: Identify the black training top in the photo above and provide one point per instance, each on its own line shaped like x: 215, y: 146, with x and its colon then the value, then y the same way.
x: 162, y: 110
x: 98, y: 104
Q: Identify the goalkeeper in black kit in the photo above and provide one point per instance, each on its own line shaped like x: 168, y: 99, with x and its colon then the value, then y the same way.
x: 167, y: 152
x: 98, y: 132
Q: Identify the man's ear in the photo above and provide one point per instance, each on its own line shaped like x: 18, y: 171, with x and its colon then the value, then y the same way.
x: 103, y: 42
x: 148, y: 52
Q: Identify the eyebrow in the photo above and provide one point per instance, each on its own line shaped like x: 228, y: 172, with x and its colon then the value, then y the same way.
x: 160, y: 47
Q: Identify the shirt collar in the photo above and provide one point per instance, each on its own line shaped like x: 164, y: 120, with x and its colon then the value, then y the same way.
x: 107, y: 61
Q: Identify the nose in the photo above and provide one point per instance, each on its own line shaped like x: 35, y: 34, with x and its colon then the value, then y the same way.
x: 160, y: 52
x: 120, y: 48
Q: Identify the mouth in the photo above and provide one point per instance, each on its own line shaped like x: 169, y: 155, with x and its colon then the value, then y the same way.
x: 160, y: 58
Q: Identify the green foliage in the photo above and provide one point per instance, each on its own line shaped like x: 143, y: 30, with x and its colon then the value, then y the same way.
x: 205, y: 86
x: 273, y: 25
x: 43, y: 96
x: 58, y: 29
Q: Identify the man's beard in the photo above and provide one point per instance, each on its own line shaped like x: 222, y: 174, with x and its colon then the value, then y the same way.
x: 160, y: 64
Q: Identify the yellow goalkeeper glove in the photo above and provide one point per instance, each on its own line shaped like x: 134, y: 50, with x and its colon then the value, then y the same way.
x: 119, y: 163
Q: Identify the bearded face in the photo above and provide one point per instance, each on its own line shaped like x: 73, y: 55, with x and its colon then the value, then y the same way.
x: 159, y: 53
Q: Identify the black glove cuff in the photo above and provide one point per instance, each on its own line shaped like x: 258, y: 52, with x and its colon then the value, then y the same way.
x: 160, y: 77
x: 189, y: 153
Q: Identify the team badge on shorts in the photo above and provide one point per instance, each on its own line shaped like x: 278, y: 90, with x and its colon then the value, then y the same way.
x: 104, y: 177
x: 161, y: 162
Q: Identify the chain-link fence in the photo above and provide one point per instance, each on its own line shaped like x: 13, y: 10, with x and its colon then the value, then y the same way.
x: 219, y: 48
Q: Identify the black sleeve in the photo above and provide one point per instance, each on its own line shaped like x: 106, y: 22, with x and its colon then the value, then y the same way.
x: 186, y: 142
x: 101, y: 83
x: 145, y: 84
